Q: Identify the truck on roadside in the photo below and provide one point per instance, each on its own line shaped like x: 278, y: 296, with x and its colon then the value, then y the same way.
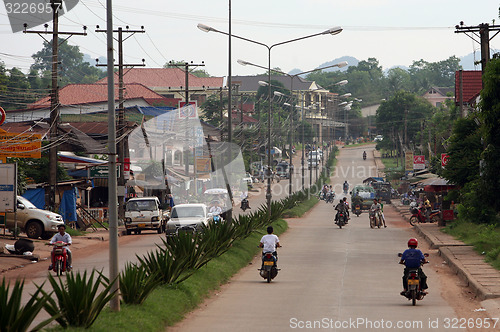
x: 144, y: 213
x: 33, y: 221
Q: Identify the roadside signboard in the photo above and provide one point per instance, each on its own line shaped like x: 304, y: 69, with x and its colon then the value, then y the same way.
x: 101, y: 171
x: 20, y: 145
x: 444, y: 159
x: 8, y: 180
x: 418, y: 162
x: 203, y: 165
x: 409, y: 160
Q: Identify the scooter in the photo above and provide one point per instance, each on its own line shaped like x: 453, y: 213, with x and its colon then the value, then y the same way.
x: 59, y: 258
x: 418, y: 215
x: 269, y: 269
x: 357, y: 210
x: 375, y: 219
x: 244, y: 204
x: 329, y: 197
x: 413, y: 291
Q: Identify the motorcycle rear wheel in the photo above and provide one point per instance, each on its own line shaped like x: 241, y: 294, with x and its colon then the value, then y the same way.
x: 413, y: 296
x: 413, y: 220
x: 268, y: 276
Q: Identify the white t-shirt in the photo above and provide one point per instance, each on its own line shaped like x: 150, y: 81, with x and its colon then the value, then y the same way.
x: 64, y: 238
x: 269, y: 241
x: 215, y: 210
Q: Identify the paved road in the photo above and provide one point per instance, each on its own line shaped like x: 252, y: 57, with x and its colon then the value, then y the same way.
x: 329, y: 276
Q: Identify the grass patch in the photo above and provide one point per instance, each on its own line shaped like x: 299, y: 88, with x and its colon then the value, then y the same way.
x: 299, y: 210
x: 167, y: 305
x: 74, y: 232
x: 484, y: 238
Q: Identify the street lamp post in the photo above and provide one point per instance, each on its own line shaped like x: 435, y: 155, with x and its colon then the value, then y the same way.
x: 292, y: 77
x: 332, y: 31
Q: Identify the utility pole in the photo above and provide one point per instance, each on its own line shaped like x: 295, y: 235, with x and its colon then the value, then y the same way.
x: 122, y: 145
x: 483, y: 32
x: 56, y: 5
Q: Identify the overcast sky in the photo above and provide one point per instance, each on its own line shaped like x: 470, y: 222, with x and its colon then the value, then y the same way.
x: 396, y: 32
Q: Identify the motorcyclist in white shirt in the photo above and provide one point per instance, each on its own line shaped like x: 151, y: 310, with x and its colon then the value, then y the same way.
x: 270, y: 242
x: 66, y: 238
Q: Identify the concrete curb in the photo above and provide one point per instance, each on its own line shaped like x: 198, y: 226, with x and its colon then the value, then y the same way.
x: 457, y: 266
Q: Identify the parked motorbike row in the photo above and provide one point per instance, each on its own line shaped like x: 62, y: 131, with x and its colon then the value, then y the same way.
x: 419, y: 215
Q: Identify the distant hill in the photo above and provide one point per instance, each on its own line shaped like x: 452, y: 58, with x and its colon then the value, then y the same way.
x: 351, y: 61
x: 89, y: 59
x: 467, y: 63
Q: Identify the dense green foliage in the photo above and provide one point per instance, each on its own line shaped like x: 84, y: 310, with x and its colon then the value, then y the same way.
x: 474, y: 154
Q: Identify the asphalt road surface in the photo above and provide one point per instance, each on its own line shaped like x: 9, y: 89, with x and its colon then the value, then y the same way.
x: 331, y: 278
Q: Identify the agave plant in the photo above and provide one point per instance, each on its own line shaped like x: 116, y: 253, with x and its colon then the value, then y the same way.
x: 14, y: 317
x: 78, y: 301
x: 168, y: 268
x: 136, y: 283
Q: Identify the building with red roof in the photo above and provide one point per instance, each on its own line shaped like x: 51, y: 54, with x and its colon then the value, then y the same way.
x: 171, y: 82
x: 85, y: 99
x: 471, y: 84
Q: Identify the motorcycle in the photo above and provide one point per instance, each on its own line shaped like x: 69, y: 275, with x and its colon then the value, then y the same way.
x: 357, y: 210
x: 329, y: 197
x: 364, y: 155
x: 321, y: 195
x: 342, y: 220
x: 244, y: 204
x: 413, y: 292
x: 375, y: 219
x: 418, y: 215
x: 60, y: 258
x: 269, y: 269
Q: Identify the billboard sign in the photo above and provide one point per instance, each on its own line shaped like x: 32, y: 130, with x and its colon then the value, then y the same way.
x: 20, y: 145
x: 418, y: 162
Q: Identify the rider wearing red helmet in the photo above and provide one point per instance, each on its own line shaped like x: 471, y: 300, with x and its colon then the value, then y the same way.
x: 413, y: 258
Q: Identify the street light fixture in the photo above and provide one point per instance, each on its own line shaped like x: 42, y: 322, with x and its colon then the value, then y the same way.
x: 332, y: 31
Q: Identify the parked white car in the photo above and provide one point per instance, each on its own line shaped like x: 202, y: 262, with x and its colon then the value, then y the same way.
x: 33, y: 221
x: 188, y: 217
x: 378, y: 138
x: 315, y: 155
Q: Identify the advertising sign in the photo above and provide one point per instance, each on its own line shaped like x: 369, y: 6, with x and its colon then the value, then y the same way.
x: 409, y: 160
x: 8, y: 181
x: 418, y: 162
x: 203, y: 165
x: 444, y: 159
x: 20, y: 145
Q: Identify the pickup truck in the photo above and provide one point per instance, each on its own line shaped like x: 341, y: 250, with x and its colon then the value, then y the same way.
x: 33, y: 221
x: 144, y: 213
x: 362, y: 195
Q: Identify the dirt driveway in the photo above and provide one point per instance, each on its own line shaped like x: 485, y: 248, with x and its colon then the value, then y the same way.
x: 12, y: 267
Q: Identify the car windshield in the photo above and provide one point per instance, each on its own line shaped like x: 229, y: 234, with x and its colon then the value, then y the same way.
x: 27, y: 204
x: 141, y: 205
x: 187, y: 212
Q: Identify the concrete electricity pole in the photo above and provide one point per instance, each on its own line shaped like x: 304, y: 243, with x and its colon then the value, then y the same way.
x: 122, y: 144
x: 484, y: 38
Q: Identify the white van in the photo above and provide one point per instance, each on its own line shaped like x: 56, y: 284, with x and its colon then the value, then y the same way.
x: 144, y: 213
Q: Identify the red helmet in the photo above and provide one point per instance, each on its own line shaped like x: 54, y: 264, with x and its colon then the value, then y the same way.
x: 412, y: 242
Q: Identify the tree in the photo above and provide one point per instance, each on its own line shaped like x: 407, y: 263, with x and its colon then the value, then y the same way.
x: 402, y: 114
x: 71, y: 69
x: 490, y: 120
x: 211, y: 110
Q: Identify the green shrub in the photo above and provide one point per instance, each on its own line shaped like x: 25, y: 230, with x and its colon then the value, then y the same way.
x: 13, y: 316
x: 136, y: 284
x: 78, y: 301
